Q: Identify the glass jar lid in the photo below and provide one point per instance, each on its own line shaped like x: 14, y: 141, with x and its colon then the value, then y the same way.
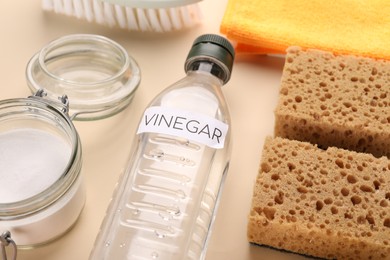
x: 96, y: 73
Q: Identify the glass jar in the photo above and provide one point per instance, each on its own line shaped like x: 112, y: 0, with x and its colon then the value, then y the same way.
x: 42, y: 192
x: 42, y: 189
x: 96, y: 73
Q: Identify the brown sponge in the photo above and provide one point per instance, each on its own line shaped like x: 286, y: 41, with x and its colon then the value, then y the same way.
x: 341, y: 101
x: 329, y: 203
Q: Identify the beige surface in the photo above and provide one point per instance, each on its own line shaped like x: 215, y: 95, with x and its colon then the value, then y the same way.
x: 251, y: 94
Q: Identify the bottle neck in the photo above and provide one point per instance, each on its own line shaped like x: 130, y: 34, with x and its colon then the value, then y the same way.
x: 208, y: 67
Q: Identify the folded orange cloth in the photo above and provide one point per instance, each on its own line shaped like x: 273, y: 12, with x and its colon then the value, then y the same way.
x: 358, y: 27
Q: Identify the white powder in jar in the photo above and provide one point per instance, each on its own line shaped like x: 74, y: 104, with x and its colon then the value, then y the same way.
x: 30, y: 161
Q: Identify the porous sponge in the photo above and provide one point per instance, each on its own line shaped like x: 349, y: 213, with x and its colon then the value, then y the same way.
x: 329, y: 203
x: 335, y: 100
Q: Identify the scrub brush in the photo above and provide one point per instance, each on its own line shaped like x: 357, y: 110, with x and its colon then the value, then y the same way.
x: 134, y: 15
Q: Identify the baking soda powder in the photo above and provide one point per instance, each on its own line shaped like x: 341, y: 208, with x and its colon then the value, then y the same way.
x: 30, y: 162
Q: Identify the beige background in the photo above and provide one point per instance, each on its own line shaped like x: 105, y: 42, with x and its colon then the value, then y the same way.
x: 251, y: 94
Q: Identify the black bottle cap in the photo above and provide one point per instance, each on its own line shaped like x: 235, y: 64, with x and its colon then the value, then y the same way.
x: 212, y: 47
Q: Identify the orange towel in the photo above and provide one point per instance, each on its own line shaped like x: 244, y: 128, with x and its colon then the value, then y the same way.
x: 358, y: 27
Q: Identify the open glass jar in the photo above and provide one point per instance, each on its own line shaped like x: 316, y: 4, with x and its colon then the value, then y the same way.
x: 42, y: 190
x: 96, y: 73
x: 77, y: 77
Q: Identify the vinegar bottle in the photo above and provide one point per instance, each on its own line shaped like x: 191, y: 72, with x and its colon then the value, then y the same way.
x: 165, y: 203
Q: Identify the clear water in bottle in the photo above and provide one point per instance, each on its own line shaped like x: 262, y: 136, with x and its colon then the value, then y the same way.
x: 165, y: 202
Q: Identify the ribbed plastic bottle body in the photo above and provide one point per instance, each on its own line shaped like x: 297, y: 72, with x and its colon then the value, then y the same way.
x: 164, y: 205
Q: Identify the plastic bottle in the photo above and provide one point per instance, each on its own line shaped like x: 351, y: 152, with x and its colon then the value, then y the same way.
x: 165, y: 203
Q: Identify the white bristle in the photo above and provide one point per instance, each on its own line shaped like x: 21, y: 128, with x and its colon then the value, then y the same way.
x: 68, y: 7
x: 185, y: 15
x: 109, y: 15
x: 143, y: 21
x: 57, y: 6
x: 190, y: 16
x: 154, y: 20
x: 78, y: 8
x: 98, y: 12
x: 88, y: 10
x: 131, y: 19
x: 126, y: 17
x: 164, y: 19
x: 175, y: 18
x: 120, y: 16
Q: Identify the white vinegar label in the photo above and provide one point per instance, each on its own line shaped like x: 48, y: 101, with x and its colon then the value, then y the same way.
x: 196, y: 127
